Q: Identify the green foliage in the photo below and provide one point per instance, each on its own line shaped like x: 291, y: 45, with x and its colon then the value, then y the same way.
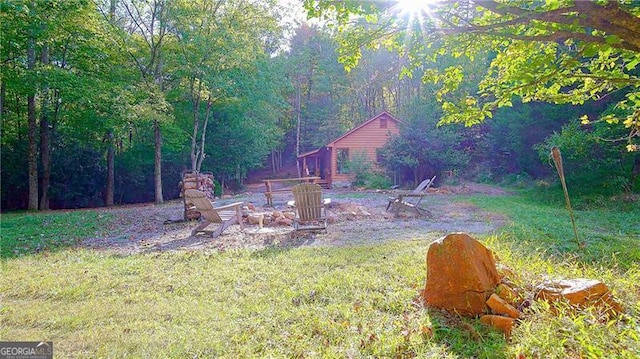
x: 377, y: 181
x: 535, y: 55
x: 360, y: 166
x: 108, y: 80
x: 217, y: 189
x: 505, y: 146
x: 592, y: 165
x: 424, y: 149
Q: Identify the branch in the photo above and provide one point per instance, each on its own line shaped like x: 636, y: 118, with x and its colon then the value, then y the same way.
x: 610, y: 18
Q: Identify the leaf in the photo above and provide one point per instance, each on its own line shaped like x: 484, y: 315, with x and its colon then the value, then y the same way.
x: 632, y: 64
x: 584, y: 119
x: 612, y: 39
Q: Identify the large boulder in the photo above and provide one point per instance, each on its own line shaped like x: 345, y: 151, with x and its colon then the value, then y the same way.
x: 461, y: 275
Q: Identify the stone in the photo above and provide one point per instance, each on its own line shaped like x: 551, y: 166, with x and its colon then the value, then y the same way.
x: 461, y: 275
x: 509, y: 294
x: 500, y: 306
x: 388, y: 215
x: 254, y: 218
x: 580, y: 293
x: 283, y: 221
x: 505, y: 272
x: 503, y: 324
x: 362, y: 212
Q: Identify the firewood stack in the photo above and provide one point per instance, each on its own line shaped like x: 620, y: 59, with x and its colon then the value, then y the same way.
x: 200, y: 181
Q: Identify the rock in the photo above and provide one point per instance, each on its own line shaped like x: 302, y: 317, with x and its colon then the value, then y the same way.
x: 461, y: 275
x: 362, y: 212
x: 354, y: 211
x: 253, y: 218
x: 580, y: 293
x: 500, y: 306
x: 509, y: 294
x: 505, y: 272
x: 503, y: 324
x: 388, y: 215
x: 283, y: 221
x: 290, y: 215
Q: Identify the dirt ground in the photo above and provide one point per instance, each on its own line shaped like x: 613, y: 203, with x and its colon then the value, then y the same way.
x: 359, y: 217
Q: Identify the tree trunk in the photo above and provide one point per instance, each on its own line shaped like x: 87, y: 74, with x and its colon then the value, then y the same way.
x: 32, y: 157
x: 635, y: 172
x: 204, y: 133
x: 45, y: 138
x: 3, y: 93
x: 112, y: 11
x: 158, y: 162
x: 273, y: 162
x: 298, y: 137
x: 111, y: 151
x: 109, y: 190
x: 195, y: 102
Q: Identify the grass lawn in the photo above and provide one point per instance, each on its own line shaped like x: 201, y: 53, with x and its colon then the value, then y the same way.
x: 357, y: 301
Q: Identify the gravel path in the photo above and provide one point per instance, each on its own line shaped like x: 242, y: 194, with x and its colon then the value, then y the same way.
x: 359, y: 217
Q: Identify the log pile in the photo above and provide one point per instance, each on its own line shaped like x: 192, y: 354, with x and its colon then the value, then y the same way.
x: 200, y: 181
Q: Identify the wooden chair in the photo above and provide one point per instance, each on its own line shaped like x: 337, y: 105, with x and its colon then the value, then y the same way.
x: 410, y: 201
x: 311, y: 209
x: 225, y: 215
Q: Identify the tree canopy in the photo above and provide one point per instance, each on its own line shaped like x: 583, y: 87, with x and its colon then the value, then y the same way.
x: 110, y: 101
x: 558, y: 51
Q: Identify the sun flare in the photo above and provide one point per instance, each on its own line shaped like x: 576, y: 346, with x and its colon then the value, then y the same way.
x: 414, y: 7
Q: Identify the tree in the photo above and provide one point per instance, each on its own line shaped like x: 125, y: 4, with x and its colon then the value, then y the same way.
x: 247, y: 122
x: 148, y: 25
x: 215, y: 38
x: 423, y: 149
x: 54, y: 57
x: 558, y: 51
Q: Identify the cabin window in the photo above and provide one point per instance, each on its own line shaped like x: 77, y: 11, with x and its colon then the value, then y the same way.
x: 342, y: 155
x: 383, y: 123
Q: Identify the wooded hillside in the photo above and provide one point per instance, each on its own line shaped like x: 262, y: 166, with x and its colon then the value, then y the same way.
x: 109, y: 101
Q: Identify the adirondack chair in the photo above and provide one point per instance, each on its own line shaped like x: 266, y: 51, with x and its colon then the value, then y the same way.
x: 311, y: 208
x: 410, y: 201
x: 225, y: 216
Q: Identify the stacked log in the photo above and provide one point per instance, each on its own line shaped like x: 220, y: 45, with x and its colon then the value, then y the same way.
x: 200, y: 181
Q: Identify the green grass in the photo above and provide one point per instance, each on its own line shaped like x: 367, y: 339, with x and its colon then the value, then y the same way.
x: 337, y: 302
x: 330, y: 302
x: 608, y: 235
x: 25, y: 233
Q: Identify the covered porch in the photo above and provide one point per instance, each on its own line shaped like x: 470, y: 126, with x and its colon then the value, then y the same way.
x: 317, y: 163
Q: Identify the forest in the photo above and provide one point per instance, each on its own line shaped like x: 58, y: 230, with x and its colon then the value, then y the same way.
x: 106, y: 102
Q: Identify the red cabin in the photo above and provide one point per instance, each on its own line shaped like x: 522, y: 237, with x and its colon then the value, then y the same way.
x: 328, y: 162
